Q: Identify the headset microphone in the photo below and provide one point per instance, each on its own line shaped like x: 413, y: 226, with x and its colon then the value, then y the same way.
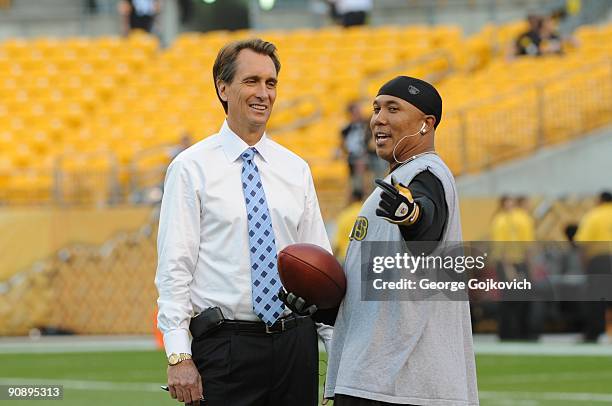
x: 422, y: 131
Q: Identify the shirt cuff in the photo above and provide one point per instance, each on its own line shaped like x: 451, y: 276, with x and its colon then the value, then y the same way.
x: 325, y: 333
x: 177, y: 342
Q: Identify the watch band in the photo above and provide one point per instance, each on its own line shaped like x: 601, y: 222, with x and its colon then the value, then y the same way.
x: 174, y: 359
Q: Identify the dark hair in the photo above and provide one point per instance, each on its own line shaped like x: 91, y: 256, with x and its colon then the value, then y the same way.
x: 535, y: 21
x: 605, y: 197
x: 224, y: 68
x: 559, y: 14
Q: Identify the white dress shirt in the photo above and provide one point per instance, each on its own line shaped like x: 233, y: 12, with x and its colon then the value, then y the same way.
x: 203, y: 243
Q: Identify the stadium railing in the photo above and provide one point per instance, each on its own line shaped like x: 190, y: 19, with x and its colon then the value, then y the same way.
x: 494, y: 110
x: 108, y: 288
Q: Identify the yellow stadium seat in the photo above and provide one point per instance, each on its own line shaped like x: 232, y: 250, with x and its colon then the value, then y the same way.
x: 124, y: 95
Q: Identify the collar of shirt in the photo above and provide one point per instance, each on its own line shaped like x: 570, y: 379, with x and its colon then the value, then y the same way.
x: 234, y: 146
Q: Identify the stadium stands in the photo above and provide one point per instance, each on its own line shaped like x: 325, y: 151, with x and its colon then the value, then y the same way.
x: 91, y: 120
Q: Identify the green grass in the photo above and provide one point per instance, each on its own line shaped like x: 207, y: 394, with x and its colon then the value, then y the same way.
x: 502, y: 379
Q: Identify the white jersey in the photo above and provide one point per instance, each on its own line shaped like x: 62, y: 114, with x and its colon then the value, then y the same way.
x: 414, y: 352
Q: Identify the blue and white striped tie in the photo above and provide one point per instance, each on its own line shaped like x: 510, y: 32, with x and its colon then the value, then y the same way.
x: 264, y: 273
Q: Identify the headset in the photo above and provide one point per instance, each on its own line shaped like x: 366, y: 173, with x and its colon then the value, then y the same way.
x: 422, y: 131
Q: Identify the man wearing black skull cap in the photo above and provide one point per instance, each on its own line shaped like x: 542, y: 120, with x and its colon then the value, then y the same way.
x: 387, y: 352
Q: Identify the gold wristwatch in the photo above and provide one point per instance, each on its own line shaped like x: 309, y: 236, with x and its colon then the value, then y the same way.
x: 174, y: 359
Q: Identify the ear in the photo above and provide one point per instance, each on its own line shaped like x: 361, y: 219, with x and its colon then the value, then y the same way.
x: 222, y: 90
x: 430, y: 121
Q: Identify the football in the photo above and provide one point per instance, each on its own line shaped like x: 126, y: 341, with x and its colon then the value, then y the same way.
x: 312, y: 273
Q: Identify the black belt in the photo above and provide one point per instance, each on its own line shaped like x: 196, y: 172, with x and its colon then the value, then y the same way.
x: 255, y: 327
x: 258, y: 327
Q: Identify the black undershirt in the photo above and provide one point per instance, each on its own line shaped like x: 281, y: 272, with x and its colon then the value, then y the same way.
x: 428, y: 193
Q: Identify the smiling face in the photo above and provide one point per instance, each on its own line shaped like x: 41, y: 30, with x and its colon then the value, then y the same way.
x: 251, y: 93
x: 393, y: 119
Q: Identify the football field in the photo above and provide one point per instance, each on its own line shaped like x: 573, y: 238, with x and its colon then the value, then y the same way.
x: 134, y: 377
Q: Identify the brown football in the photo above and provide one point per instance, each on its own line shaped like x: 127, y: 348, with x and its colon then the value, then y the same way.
x: 312, y: 273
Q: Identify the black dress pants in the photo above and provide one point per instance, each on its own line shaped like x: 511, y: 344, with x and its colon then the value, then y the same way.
x: 599, y: 273
x: 255, y: 369
x: 513, y: 314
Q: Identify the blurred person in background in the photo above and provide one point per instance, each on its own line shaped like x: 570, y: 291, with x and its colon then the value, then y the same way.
x: 333, y: 12
x: 186, y: 8
x: 154, y: 195
x: 551, y: 43
x: 501, y: 225
x: 528, y: 42
x: 570, y: 270
x: 230, y: 203
x: 185, y: 142
x: 595, y: 235
x: 138, y: 14
x: 353, y: 12
x: 536, y: 264
x: 353, y: 145
x: 377, y: 167
x: 524, y: 219
x: 570, y: 263
x: 542, y: 37
x: 345, y: 224
x: 509, y: 229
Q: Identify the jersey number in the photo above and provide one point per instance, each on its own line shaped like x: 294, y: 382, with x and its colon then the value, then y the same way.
x: 360, y: 229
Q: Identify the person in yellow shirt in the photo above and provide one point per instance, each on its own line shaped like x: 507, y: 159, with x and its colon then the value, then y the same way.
x: 346, y: 222
x: 523, y: 220
x: 502, y: 228
x: 596, y: 225
x: 595, y: 233
x: 511, y: 225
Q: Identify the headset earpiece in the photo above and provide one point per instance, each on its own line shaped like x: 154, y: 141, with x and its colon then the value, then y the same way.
x: 423, y: 130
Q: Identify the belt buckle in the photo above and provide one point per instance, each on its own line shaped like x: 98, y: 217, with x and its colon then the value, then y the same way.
x: 271, y: 331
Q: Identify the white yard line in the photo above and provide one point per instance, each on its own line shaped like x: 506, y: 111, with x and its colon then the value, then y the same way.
x: 543, y: 349
x: 549, y: 377
x: 64, y: 344
x: 69, y: 344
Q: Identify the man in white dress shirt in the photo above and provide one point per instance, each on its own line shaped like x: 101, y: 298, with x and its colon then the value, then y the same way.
x: 230, y: 203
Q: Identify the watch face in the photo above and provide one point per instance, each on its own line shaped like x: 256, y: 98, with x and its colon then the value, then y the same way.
x: 173, y: 359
